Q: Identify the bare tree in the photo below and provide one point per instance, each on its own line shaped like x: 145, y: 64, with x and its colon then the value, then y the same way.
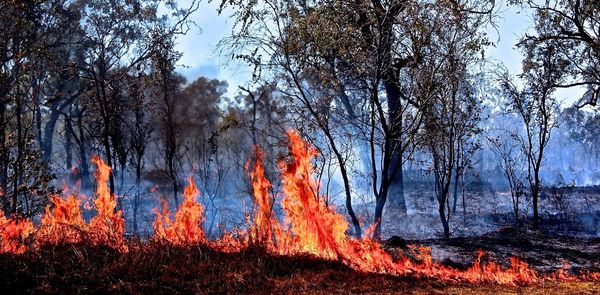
x: 513, y: 168
x: 537, y: 109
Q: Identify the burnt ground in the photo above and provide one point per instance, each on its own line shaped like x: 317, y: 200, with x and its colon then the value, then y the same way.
x: 543, y: 250
x: 150, y: 268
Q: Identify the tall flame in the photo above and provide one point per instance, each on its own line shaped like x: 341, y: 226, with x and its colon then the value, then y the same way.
x: 108, y: 225
x: 317, y: 229
x: 266, y: 229
x: 186, y: 227
x: 63, y: 222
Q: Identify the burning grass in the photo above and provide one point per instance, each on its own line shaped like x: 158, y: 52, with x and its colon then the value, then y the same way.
x: 308, y: 250
x: 155, y: 268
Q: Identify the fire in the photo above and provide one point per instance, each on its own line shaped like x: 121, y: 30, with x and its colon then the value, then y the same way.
x: 185, y: 228
x: 266, y: 229
x: 108, y: 225
x: 317, y: 229
x: 63, y: 223
x: 13, y: 233
x: 309, y: 226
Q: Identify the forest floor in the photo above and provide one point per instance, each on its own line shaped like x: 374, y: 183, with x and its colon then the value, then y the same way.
x: 543, y: 250
x: 150, y: 268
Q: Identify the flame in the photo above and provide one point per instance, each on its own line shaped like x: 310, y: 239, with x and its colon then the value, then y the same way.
x: 266, y: 229
x: 13, y: 233
x: 185, y: 228
x: 108, y: 225
x: 316, y: 229
x: 63, y: 223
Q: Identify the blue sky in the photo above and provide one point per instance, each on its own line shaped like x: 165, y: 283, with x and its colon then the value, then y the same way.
x: 199, y: 48
x: 200, y: 56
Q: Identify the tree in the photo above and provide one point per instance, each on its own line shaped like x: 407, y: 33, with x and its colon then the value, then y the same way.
x: 451, y: 120
x: 119, y: 36
x: 512, y: 165
x: 140, y: 129
x: 25, y: 180
x: 583, y: 127
x: 536, y: 107
x: 168, y: 120
x: 336, y: 57
x: 572, y: 29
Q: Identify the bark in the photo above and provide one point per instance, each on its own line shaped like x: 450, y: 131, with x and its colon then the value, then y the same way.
x: 3, y: 149
x: 48, y: 135
x: 355, y: 222
x: 18, y: 166
x: 455, y: 193
x: 136, y: 200
x: 84, y: 167
x: 396, y: 186
x: 379, y: 205
x: 535, y: 192
x: 68, y: 144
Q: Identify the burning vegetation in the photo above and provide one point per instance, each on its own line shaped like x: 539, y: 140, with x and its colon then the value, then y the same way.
x: 309, y: 242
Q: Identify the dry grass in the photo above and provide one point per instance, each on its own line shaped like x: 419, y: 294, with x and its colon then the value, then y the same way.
x: 151, y: 268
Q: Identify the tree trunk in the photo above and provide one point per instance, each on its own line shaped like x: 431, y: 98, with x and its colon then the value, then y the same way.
x: 396, y: 189
x: 355, y: 222
x: 3, y: 150
x: 18, y: 167
x: 107, y: 149
x: 379, y: 205
x: 456, y: 181
x: 68, y: 144
x: 444, y: 220
x: 136, y: 200
x: 83, y: 158
x: 535, y: 192
x: 48, y: 136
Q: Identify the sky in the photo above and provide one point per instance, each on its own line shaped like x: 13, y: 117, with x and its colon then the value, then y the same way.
x: 199, y: 47
x: 201, y: 57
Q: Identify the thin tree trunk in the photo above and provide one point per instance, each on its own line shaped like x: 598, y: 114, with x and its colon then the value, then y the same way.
x: 535, y: 191
x: 379, y: 205
x: 455, y: 193
x: 3, y: 150
x: 68, y: 144
x: 136, y: 200
x: 48, y: 135
x: 444, y: 220
x: 18, y: 167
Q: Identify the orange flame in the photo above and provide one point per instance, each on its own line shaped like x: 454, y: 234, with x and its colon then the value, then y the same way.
x: 186, y: 227
x: 108, y: 225
x: 63, y: 223
x: 265, y: 225
x: 13, y: 233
